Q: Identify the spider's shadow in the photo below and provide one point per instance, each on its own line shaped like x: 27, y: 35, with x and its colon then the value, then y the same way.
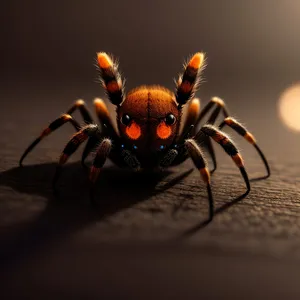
x: 117, y: 189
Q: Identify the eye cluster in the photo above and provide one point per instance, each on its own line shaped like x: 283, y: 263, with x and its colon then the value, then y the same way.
x: 170, y: 119
x: 126, y: 119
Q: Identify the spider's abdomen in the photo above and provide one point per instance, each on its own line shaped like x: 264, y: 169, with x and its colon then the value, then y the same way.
x: 149, y: 119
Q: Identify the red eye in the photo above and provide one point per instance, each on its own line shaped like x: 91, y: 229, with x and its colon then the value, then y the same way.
x: 133, y: 131
x: 163, y: 130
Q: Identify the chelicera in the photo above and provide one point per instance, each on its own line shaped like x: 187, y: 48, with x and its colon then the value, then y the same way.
x: 148, y: 120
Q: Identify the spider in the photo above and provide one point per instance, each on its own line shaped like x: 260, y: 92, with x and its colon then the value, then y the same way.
x: 149, y: 119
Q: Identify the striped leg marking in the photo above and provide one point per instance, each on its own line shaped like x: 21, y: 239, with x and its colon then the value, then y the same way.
x: 188, y: 82
x: 220, y: 106
x: 74, y: 143
x: 80, y: 104
x: 52, y: 127
x: 110, y: 78
x: 229, y: 147
x: 200, y: 163
x: 103, y: 151
x: 241, y: 130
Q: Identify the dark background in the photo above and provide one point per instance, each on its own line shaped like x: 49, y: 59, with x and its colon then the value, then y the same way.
x: 250, y: 249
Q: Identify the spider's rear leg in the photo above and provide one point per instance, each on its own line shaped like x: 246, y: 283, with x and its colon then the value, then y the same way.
x: 229, y: 147
x: 77, y: 139
x: 80, y: 104
x: 200, y: 163
x: 220, y: 107
x: 241, y: 130
x: 52, y: 127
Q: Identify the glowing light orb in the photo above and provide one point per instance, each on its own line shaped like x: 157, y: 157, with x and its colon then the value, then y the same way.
x: 289, y: 107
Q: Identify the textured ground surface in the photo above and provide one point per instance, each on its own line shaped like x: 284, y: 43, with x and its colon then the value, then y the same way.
x: 149, y: 237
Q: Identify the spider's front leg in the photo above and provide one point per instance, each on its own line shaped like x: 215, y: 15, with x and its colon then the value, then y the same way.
x: 201, y: 164
x: 229, y: 147
x: 78, y: 138
x: 199, y: 161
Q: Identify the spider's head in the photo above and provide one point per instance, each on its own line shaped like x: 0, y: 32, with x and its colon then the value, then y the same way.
x: 149, y: 116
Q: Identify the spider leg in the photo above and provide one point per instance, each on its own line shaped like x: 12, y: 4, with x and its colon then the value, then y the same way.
x: 200, y: 163
x: 229, y: 147
x: 168, y: 158
x: 192, y: 115
x: 52, y: 127
x: 110, y: 78
x: 220, y: 106
x: 241, y: 130
x: 103, y: 151
x: 106, y: 125
x: 80, y: 104
x: 131, y: 160
x: 77, y: 139
x: 200, y: 137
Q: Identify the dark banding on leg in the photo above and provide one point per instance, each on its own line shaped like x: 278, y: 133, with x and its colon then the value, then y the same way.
x: 110, y: 78
x: 188, y: 82
x: 220, y: 107
x: 229, y: 147
x: 241, y: 130
x: 52, y: 127
x: 80, y: 104
x: 200, y: 163
x: 77, y: 139
x: 102, y: 153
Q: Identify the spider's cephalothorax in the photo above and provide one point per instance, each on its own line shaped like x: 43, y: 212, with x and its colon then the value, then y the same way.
x: 149, y: 119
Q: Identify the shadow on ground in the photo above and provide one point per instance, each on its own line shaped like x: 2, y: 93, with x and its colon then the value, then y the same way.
x: 116, y: 190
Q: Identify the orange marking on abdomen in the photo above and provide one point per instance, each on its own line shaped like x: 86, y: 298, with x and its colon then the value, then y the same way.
x: 163, y: 131
x: 133, y: 131
x: 104, y: 60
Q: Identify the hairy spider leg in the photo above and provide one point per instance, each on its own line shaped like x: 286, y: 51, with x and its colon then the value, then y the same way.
x: 52, y: 127
x: 107, y: 128
x: 188, y: 82
x: 235, y: 125
x: 79, y: 104
x: 229, y: 147
x: 220, y: 106
x: 110, y: 78
x: 77, y: 139
x: 192, y: 114
x: 200, y: 163
x: 241, y: 130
